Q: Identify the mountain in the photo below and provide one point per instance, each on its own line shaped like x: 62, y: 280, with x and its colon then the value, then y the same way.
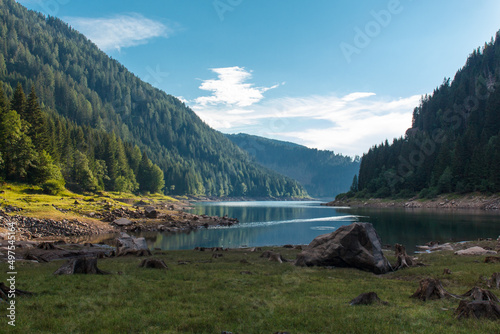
x: 81, y: 87
x: 322, y: 173
x: 453, y: 144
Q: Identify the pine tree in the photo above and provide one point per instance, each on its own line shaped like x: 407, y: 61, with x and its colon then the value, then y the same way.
x: 3, y: 101
x: 354, y: 185
x: 144, y: 173
x: 18, y: 102
x: 34, y: 115
x: 15, y: 146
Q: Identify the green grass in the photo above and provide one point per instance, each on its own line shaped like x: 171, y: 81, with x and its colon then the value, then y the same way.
x: 210, y: 296
x: 36, y: 204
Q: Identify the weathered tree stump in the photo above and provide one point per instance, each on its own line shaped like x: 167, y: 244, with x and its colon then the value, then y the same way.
x: 367, y: 298
x: 153, y: 263
x: 5, y: 291
x: 81, y: 265
x: 480, y: 294
x: 492, y: 259
x: 46, y: 246
x: 273, y: 256
x: 403, y: 260
x: 33, y: 257
x: 478, y: 309
x: 494, y: 281
x: 429, y: 289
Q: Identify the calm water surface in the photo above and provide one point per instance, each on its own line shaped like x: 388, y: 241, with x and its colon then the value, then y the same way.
x: 278, y: 223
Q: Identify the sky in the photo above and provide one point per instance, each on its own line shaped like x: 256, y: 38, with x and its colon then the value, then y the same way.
x: 329, y: 74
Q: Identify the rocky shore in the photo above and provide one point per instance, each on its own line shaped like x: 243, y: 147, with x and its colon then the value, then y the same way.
x: 471, y: 201
x: 141, y: 218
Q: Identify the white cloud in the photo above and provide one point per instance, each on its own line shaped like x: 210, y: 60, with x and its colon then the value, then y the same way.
x: 348, y: 124
x: 120, y: 31
x: 230, y: 88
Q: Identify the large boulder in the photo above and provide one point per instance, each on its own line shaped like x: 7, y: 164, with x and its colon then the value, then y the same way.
x: 357, y: 245
x: 127, y: 245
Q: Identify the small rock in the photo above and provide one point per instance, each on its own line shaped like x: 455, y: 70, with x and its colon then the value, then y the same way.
x: 476, y: 250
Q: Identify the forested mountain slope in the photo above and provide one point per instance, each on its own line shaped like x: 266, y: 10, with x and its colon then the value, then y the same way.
x: 322, y: 173
x: 78, y: 84
x: 453, y: 144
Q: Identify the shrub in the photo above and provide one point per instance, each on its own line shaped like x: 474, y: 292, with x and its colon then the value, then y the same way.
x: 52, y: 187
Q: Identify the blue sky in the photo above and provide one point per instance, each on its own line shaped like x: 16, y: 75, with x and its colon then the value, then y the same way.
x: 329, y: 74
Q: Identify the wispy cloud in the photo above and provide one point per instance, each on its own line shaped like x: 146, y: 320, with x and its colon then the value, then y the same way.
x: 230, y: 88
x: 348, y: 124
x: 119, y: 31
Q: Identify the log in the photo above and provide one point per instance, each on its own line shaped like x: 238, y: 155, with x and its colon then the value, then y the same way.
x: 81, y: 265
x: 403, y: 260
x: 367, y: 298
x: 429, y: 289
x: 153, y: 263
x: 480, y: 294
x: 478, y: 309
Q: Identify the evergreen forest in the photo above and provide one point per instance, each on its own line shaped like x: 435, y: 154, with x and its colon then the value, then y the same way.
x: 453, y: 144
x: 322, y: 173
x: 72, y: 116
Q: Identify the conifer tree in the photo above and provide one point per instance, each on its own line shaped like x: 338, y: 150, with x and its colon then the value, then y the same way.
x: 34, y: 115
x: 18, y: 102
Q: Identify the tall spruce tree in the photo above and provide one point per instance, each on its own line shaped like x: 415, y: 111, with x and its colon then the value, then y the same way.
x: 34, y: 115
x: 18, y: 102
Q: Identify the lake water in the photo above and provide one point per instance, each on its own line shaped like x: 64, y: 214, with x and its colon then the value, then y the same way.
x: 268, y: 223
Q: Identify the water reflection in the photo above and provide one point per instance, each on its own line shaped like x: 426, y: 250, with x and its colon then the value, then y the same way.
x: 279, y: 223
x: 418, y: 226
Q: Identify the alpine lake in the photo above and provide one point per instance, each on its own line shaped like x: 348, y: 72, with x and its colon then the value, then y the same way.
x: 277, y: 223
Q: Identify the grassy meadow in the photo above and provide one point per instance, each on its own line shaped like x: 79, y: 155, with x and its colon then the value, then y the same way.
x: 214, y: 295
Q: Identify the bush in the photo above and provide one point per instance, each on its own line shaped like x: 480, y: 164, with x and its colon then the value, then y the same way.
x: 429, y: 193
x: 383, y: 192
x: 405, y: 193
x: 52, y: 187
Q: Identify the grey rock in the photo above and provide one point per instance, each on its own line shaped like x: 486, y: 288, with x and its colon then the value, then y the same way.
x: 357, y: 245
x: 123, y: 222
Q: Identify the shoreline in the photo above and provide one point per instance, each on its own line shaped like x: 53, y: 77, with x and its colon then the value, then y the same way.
x: 447, y: 201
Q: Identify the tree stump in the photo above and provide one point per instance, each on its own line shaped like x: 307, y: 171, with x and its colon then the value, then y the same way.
x: 480, y: 294
x: 367, y: 298
x: 429, y: 289
x: 273, y: 256
x: 492, y: 259
x: 5, y: 291
x: 403, y: 260
x: 153, y: 263
x: 46, y: 246
x: 478, y: 309
x: 81, y: 265
x: 494, y: 281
